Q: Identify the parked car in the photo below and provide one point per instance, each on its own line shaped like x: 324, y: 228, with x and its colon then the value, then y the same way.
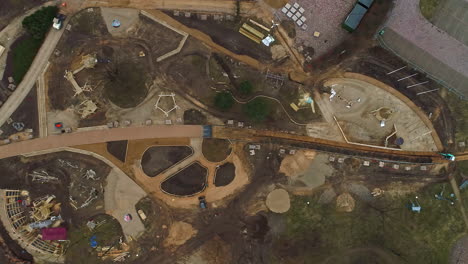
x: 202, y: 202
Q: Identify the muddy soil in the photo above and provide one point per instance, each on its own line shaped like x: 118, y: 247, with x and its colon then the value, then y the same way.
x: 225, y: 34
x: 188, y: 181
x: 15, y: 172
x: 158, y: 159
x: 194, y: 117
x: 153, y: 32
x: 249, y: 237
x: 118, y: 149
x: 224, y: 174
x: 26, y: 113
x: 215, y: 149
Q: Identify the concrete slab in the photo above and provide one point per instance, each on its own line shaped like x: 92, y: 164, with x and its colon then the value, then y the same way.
x: 120, y: 196
x: 128, y: 17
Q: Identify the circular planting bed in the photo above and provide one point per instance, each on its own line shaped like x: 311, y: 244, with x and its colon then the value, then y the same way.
x: 158, y: 159
x: 188, y: 181
x: 216, y: 149
x: 224, y: 174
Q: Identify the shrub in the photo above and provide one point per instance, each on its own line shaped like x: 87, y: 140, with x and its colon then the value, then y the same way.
x: 245, y: 88
x: 224, y: 101
x: 257, y: 110
x: 39, y: 23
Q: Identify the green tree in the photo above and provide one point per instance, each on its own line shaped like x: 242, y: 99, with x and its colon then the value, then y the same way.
x: 245, y: 88
x: 224, y: 101
x: 257, y: 110
x: 39, y: 23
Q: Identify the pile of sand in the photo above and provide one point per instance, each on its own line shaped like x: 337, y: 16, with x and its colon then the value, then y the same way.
x: 179, y: 233
x: 278, y: 201
x: 297, y: 164
x: 345, y: 203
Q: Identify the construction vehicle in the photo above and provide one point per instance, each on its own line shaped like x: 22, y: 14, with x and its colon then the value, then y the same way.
x: 448, y: 156
x: 202, y: 202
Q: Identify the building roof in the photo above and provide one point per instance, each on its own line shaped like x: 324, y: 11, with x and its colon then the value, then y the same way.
x: 355, y: 17
x: 366, y: 3
x: 56, y: 233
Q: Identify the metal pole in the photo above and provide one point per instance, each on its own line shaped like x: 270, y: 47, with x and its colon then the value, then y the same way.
x: 427, y: 91
x: 396, y: 70
x: 407, y: 77
x: 416, y: 84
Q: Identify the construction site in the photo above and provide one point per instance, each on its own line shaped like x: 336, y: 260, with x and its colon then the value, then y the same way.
x: 221, y: 131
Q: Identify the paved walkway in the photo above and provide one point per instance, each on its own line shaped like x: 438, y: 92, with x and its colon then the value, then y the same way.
x: 11, y: 32
x: 414, y: 38
x: 31, y: 76
x: 98, y: 136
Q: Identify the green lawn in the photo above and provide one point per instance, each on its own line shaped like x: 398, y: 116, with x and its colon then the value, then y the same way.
x: 459, y: 110
x: 315, y: 231
x: 23, y: 55
x: 429, y: 7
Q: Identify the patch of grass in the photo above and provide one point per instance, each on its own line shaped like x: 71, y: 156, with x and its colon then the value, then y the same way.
x: 387, y: 223
x: 429, y: 7
x: 224, y: 101
x: 80, y: 251
x: 215, y: 149
x: 459, y: 111
x: 37, y: 25
x: 23, y: 55
x: 258, y: 109
x: 246, y: 88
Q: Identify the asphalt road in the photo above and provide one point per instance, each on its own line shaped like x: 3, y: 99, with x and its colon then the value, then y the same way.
x: 31, y: 76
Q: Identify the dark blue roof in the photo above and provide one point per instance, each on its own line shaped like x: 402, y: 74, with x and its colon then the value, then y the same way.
x: 366, y: 3
x: 355, y: 16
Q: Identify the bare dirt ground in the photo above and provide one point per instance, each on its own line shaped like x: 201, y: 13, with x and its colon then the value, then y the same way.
x: 26, y: 114
x: 69, y: 169
x: 159, y: 158
x: 179, y: 233
x: 188, y: 181
x: 225, y: 34
x: 224, y: 174
x: 118, y: 149
x: 459, y: 252
x: 360, y: 125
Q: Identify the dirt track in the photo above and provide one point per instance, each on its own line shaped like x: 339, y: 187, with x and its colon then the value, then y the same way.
x: 211, y: 6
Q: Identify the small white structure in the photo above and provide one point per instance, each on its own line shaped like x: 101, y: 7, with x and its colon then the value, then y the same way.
x: 166, y: 111
x: 268, y: 40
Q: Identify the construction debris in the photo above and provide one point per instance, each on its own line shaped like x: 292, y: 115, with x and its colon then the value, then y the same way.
x: 86, y: 108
